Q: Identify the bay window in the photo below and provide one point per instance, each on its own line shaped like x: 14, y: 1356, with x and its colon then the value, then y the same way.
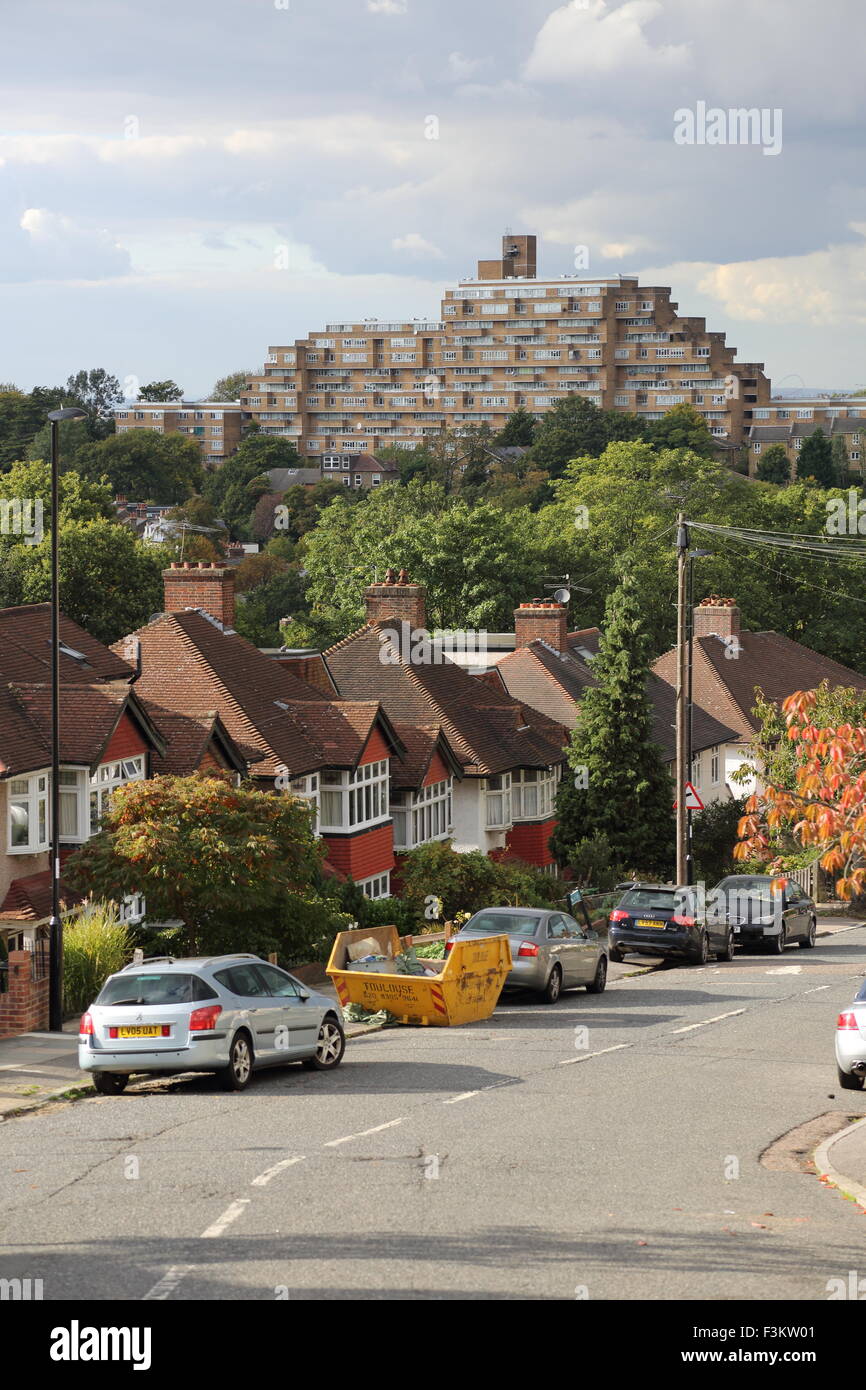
x: 351, y: 801
x: 379, y: 886
x: 105, y: 780
x: 307, y: 789
x: 497, y: 793
x: 534, y: 793
x: 423, y: 815
x: 28, y: 814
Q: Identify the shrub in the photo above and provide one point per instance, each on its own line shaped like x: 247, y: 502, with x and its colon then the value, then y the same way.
x: 95, y: 945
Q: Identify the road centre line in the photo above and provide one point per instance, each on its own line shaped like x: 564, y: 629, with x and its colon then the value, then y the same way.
x: 706, y: 1022
x: 347, y: 1138
x: 464, y: 1095
x: 167, y: 1284
x: 569, y: 1061
x: 229, y: 1215
x: 264, y: 1178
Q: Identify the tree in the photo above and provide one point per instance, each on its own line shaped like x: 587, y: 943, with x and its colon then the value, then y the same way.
x: 839, y: 455
x: 161, y: 391
x: 519, y: 429
x: 620, y: 787
x: 110, y: 582
x: 97, y: 392
x: 200, y: 535
x: 22, y: 417
x: 815, y: 460
x: 235, y: 488
x: 573, y: 427
x: 774, y: 465
x: 144, y: 465
x: 229, y: 388
x: 683, y: 427
x: 714, y: 834
x: 819, y: 805
x: 262, y: 609
x: 256, y: 570
x: 231, y: 863
x: 439, y: 882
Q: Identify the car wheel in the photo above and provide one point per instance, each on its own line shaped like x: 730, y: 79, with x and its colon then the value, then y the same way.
x: 808, y: 942
x: 778, y: 943
x: 848, y: 1081
x: 727, y: 951
x: 109, y: 1083
x: 236, y: 1075
x: 701, y: 955
x: 553, y: 988
x: 600, y: 979
x: 330, y: 1046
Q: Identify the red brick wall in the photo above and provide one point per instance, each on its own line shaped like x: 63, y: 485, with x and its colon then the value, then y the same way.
x: 375, y: 750
x: 546, y: 622
x: 400, y: 602
x: 363, y: 855
x: 125, y: 742
x: 24, y: 1006
x: 201, y: 584
x: 529, y: 841
x: 437, y: 772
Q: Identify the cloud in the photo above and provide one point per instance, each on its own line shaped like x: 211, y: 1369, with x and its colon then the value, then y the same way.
x: 387, y: 6
x: 819, y: 289
x: 460, y: 68
x: 416, y: 245
x: 582, y: 39
x: 46, y: 245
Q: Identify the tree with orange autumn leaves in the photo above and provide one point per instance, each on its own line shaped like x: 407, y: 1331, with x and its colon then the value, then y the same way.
x: 823, y: 805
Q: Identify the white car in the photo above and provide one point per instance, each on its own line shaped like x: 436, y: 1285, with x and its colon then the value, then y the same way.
x: 851, y: 1044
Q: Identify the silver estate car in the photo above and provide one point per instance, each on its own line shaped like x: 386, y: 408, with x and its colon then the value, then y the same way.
x: 851, y: 1044
x: 550, y: 950
x: 225, y: 1014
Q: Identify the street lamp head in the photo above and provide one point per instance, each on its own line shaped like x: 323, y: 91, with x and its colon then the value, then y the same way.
x: 69, y: 412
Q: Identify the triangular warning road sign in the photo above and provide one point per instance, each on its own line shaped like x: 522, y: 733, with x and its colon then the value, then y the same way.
x: 693, y: 801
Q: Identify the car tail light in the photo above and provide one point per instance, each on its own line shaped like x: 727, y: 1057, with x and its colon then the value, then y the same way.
x: 682, y: 921
x: 848, y: 1022
x: 448, y: 945
x: 201, y: 1020
x: 528, y: 948
x: 85, y: 1027
x: 619, y: 914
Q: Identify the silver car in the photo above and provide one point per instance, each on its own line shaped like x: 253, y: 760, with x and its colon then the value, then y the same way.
x: 550, y: 950
x: 225, y: 1014
x: 851, y: 1044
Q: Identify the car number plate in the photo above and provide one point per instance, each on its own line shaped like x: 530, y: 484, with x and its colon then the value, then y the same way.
x: 154, y: 1032
x: 645, y: 922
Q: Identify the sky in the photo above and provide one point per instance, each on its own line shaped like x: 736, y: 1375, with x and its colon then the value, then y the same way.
x: 185, y: 183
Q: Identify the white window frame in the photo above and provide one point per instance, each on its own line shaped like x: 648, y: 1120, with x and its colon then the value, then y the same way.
x: 379, y: 886
x: 307, y: 789
x: 416, y: 817
x: 32, y: 796
x: 715, y: 766
x: 105, y: 780
x: 533, y: 785
x: 497, y: 802
x: 352, y: 789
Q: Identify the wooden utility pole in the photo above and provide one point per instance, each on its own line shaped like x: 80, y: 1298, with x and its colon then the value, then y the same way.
x: 683, y: 772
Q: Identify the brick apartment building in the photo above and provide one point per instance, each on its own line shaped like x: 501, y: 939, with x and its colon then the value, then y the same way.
x: 790, y: 422
x: 214, y: 425
x: 503, y: 339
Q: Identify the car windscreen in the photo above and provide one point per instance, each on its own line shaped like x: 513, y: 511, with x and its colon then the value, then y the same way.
x: 509, y: 923
x: 649, y: 900
x: 160, y: 987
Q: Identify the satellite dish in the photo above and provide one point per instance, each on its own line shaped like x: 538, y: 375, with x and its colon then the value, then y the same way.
x: 562, y: 595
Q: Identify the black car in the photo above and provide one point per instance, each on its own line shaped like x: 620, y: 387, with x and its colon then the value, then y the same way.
x: 659, y: 919
x: 764, y: 911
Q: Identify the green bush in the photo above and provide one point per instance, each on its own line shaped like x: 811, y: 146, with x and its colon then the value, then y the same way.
x: 95, y: 945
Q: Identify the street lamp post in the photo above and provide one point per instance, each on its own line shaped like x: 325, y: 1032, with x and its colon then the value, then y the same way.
x: 55, y: 965
x: 691, y: 556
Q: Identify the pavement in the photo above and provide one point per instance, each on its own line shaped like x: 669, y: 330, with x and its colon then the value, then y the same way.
x: 643, y: 1143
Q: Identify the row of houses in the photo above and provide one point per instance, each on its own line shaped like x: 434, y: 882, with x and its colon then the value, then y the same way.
x: 394, y: 743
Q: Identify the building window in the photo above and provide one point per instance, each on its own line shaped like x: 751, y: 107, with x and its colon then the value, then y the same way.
x: 534, y: 793
x: 307, y: 789
x: 756, y: 448
x: 28, y: 814
x: 497, y: 792
x: 422, y: 816
x: 105, y: 780
x: 696, y: 770
x: 377, y: 887
x: 351, y: 802
x: 714, y: 766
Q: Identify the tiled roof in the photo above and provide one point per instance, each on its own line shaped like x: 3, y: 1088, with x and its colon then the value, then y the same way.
x: 488, y: 731
x: 25, y: 649
x: 188, y: 737
x: 588, y: 638
x: 278, y: 721
x: 89, y: 715
x: 546, y: 680
x: 28, y: 899
x: 707, y: 732
x: 770, y: 434
x: 725, y: 686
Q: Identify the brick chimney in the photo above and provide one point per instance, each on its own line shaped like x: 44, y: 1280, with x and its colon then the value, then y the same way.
x: 201, y: 584
x: 717, y: 617
x: 541, y: 620
x: 397, y: 599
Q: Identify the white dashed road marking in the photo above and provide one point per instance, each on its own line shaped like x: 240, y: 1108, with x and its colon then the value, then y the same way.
x: 568, y: 1061
x: 264, y: 1178
x: 718, y: 1018
x: 229, y: 1215
x: 464, y: 1095
x: 347, y: 1138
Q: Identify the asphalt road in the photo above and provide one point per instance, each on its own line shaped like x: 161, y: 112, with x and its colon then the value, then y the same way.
x: 608, y: 1147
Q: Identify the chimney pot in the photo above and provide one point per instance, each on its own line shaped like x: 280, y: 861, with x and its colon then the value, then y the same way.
x: 544, y: 621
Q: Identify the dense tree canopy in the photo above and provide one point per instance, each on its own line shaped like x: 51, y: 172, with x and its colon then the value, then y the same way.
x: 144, y: 465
